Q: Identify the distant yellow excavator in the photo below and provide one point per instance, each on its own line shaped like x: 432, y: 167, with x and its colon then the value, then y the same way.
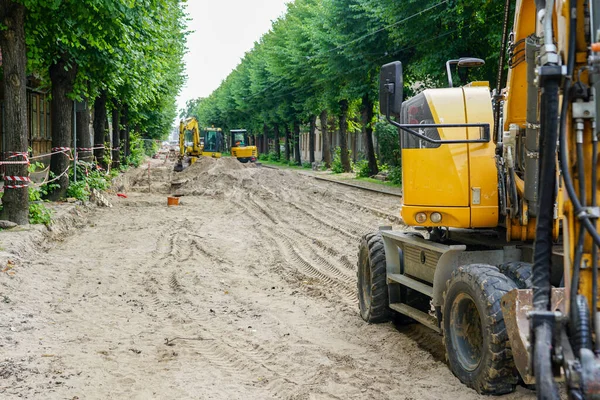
x: 193, y: 143
x: 240, y: 146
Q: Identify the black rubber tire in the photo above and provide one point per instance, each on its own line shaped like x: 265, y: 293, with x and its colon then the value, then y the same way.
x: 519, y: 272
x: 474, y: 332
x: 373, y: 300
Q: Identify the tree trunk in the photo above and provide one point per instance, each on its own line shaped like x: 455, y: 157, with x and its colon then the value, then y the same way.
x: 287, y: 143
x: 332, y: 123
x: 311, y: 139
x: 125, y: 130
x: 265, y: 139
x: 297, y: 157
x: 367, y: 120
x: 116, y: 134
x: 326, y: 150
x: 84, y: 138
x: 277, y: 146
x: 62, y: 77
x: 343, y: 136
x: 99, y: 127
x: 15, y: 201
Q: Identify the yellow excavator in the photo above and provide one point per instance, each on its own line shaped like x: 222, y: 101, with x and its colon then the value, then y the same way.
x: 193, y: 143
x: 501, y: 190
x: 240, y: 146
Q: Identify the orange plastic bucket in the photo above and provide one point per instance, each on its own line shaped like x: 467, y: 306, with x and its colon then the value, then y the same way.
x: 172, y: 201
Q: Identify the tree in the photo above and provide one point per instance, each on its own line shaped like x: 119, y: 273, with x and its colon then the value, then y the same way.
x: 15, y: 201
x: 84, y: 138
x: 325, y: 139
x: 345, y: 157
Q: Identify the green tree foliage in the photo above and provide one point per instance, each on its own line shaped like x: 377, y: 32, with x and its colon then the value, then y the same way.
x: 127, y: 53
x: 323, y: 53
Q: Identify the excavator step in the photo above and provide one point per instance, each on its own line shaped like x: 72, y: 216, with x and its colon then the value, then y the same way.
x: 411, y: 283
x: 417, y: 315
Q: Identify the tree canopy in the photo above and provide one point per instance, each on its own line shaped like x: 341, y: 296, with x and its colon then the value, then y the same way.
x: 322, y: 52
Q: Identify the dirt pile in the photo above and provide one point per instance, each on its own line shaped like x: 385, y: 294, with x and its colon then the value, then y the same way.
x: 155, y: 179
x: 226, y: 177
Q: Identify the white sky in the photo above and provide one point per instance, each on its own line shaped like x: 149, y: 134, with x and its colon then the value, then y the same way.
x: 223, y: 31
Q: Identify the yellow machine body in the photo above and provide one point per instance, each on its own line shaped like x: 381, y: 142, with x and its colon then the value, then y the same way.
x: 194, y: 144
x: 240, y: 147
x: 212, y: 142
x: 459, y: 181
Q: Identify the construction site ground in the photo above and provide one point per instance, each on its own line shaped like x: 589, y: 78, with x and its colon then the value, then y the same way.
x: 246, y: 290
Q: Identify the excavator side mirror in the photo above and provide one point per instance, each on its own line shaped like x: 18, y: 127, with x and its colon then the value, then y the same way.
x: 391, y: 85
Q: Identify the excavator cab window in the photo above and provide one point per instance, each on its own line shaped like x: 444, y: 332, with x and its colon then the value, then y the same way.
x: 189, y: 137
x: 240, y: 139
x: 212, y: 141
x: 416, y: 111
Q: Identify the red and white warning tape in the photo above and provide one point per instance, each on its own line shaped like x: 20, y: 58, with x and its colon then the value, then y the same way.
x: 17, y: 178
x: 55, y: 150
x: 13, y: 155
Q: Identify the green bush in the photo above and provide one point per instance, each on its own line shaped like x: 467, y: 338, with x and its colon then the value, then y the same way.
x: 78, y: 190
x: 137, y: 150
x: 150, y: 147
x: 306, y: 165
x: 38, y: 212
x: 272, y: 156
x: 263, y: 157
x: 362, y: 169
x: 94, y: 179
x: 389, y: 144
x: 336, y: 164
x: 395, y: 175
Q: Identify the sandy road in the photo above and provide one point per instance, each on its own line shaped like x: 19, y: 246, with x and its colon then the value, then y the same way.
x: 245, y: 291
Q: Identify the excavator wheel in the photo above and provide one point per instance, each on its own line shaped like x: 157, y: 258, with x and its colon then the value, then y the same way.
x: 519, y: 272
x: 474, y: 333
x: 373, y: 300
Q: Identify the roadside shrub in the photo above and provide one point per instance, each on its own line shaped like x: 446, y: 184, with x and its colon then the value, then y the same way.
x: 362, y: 169
x: 306, y: 165
x: 395, y: 175
x: 136, y: 145
x: 263, y: 157
x: 38, y: 212
x: 86, y: 181
x: 389, y: 144
x: 78, y: 190
x: 272, y: 156
x: 336, y: 164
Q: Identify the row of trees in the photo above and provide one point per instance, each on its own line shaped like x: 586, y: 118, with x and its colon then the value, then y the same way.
x: 322, y: 59
x: 118, y: 56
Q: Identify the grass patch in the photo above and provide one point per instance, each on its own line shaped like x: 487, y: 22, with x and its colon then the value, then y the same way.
x: 282, y: 164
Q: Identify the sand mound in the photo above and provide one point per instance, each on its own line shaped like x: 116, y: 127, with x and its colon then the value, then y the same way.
x: 216, y: 177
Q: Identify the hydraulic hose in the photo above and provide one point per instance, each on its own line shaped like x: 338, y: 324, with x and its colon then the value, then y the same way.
x: 581, y: 333
x: 545, y: 221
x: 581, y: 237
x: 542, y: 264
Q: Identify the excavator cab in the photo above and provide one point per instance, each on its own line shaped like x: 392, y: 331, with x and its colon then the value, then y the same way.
x: 450, y: 178
x: 212, y: 142
x: 240, y: 146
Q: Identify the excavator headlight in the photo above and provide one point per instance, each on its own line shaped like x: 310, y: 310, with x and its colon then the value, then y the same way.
x: 421, y: 217
x: 436, y: 217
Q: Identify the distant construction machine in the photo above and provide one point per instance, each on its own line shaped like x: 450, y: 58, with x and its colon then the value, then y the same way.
x: 240, y: 146
x: 194, y: 144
